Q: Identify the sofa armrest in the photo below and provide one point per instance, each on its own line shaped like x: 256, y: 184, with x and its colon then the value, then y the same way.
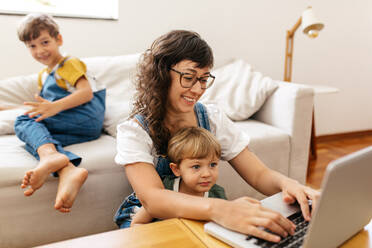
x: 290, y: 109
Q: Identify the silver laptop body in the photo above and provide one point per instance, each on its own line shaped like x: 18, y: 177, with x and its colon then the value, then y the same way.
x: 345, y: 205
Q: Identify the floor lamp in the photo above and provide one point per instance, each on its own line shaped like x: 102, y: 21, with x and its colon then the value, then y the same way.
x: 311, y: 27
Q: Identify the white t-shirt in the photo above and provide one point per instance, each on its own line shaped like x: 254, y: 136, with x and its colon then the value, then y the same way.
x: 135, y: 145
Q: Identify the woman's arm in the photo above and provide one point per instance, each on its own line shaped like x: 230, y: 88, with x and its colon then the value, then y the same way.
x: 244, y: 215
x: 45, y: 108
x: 141, y: 217
x: 269, y: 182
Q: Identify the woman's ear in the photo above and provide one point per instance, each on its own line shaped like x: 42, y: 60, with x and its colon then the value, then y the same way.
x: 174, y: 167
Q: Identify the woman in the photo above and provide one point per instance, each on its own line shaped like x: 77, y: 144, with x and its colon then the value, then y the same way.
x: 173, y: 75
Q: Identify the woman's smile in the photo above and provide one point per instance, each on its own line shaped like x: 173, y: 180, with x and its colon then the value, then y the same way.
x: 189, y: 100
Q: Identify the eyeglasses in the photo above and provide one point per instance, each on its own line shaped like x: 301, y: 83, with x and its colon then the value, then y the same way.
x: 188, y: 80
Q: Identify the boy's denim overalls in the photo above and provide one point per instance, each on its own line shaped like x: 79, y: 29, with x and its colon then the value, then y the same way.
x: 76, y: 125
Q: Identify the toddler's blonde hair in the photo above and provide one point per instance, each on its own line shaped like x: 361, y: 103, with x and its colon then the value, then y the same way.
x: 193, y: 142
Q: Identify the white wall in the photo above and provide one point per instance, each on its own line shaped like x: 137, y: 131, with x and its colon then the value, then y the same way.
x: 254, y: 30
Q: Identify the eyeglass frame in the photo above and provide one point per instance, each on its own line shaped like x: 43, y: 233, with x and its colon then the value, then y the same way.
x: 197, y: 79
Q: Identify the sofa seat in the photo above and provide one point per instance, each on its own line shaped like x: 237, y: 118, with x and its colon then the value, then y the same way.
x: 266, y: 149
x: 93, y: 209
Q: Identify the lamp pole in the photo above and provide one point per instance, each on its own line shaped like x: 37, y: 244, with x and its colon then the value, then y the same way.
x: 289, y: 51
x: 310, y: 24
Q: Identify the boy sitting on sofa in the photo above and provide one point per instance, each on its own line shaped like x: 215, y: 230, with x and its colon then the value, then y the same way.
x: 69, y: 109
x: 194, y: 153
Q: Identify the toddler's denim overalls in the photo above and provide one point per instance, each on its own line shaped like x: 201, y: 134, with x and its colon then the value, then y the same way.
x: 127, y: 209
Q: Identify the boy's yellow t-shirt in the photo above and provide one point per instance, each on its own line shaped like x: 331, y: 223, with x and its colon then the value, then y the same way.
x: 67, y: 72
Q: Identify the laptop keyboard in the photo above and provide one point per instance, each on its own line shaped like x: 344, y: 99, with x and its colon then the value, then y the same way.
x: 291, y: 241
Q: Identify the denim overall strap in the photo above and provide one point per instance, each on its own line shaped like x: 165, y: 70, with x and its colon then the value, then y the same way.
x: 202, y: 116
x: 162, y: 164
x: 51, y: 91
x: 143, y: 122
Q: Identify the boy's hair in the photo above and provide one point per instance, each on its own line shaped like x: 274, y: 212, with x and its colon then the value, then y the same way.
x: 31, y: 25
x: 193, y: 142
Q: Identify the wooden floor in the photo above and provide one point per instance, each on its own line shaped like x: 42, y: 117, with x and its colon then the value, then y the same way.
x: 330, y: 150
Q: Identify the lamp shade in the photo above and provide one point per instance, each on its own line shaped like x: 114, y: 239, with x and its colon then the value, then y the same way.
x: 310, y: 25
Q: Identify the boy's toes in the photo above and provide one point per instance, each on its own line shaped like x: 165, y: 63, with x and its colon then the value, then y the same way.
x: 60, y: 206
x: 24, y: 184
x: 28, y: 174
x: 28, y: 192
x: 64, y: 210
x: 25, y: 181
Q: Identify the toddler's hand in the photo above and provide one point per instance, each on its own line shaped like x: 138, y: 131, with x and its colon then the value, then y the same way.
x: 41, y: 107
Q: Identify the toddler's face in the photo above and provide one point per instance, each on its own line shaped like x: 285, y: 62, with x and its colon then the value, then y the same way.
x: 198, y: 175
x: 45, y: 49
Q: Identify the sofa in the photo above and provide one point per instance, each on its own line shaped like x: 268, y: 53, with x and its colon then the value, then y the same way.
x: 278, y: 127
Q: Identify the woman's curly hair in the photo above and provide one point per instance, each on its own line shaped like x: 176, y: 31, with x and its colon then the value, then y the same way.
x: 153, y: 78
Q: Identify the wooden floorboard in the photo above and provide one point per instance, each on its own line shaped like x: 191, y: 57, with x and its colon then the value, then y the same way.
x: 329, y: 150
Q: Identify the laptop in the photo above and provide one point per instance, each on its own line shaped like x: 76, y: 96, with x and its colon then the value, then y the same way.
x: 344, y: 208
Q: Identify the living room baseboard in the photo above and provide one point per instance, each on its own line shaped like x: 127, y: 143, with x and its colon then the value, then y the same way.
x: 340, y: 136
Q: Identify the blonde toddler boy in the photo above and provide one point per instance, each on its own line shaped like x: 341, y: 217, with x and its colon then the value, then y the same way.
x: 195, y: 154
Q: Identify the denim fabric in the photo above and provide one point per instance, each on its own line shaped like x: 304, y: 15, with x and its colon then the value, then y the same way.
x: 202, y: 116
x: 123, y: 216
x: 126, y: 211
x: 76, y: 125
x: 162, y: 165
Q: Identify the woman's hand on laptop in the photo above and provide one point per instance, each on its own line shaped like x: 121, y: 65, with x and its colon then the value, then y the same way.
x: 247, y: 215
x: 294, y: 191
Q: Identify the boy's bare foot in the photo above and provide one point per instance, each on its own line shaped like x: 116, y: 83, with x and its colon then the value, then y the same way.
x: 48, y: 163
x: 71, y: 179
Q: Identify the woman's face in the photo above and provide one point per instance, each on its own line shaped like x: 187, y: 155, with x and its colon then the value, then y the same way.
x: 180, y: 99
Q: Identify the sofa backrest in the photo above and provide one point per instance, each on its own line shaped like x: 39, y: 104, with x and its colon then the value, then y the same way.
x: 116, y: 74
